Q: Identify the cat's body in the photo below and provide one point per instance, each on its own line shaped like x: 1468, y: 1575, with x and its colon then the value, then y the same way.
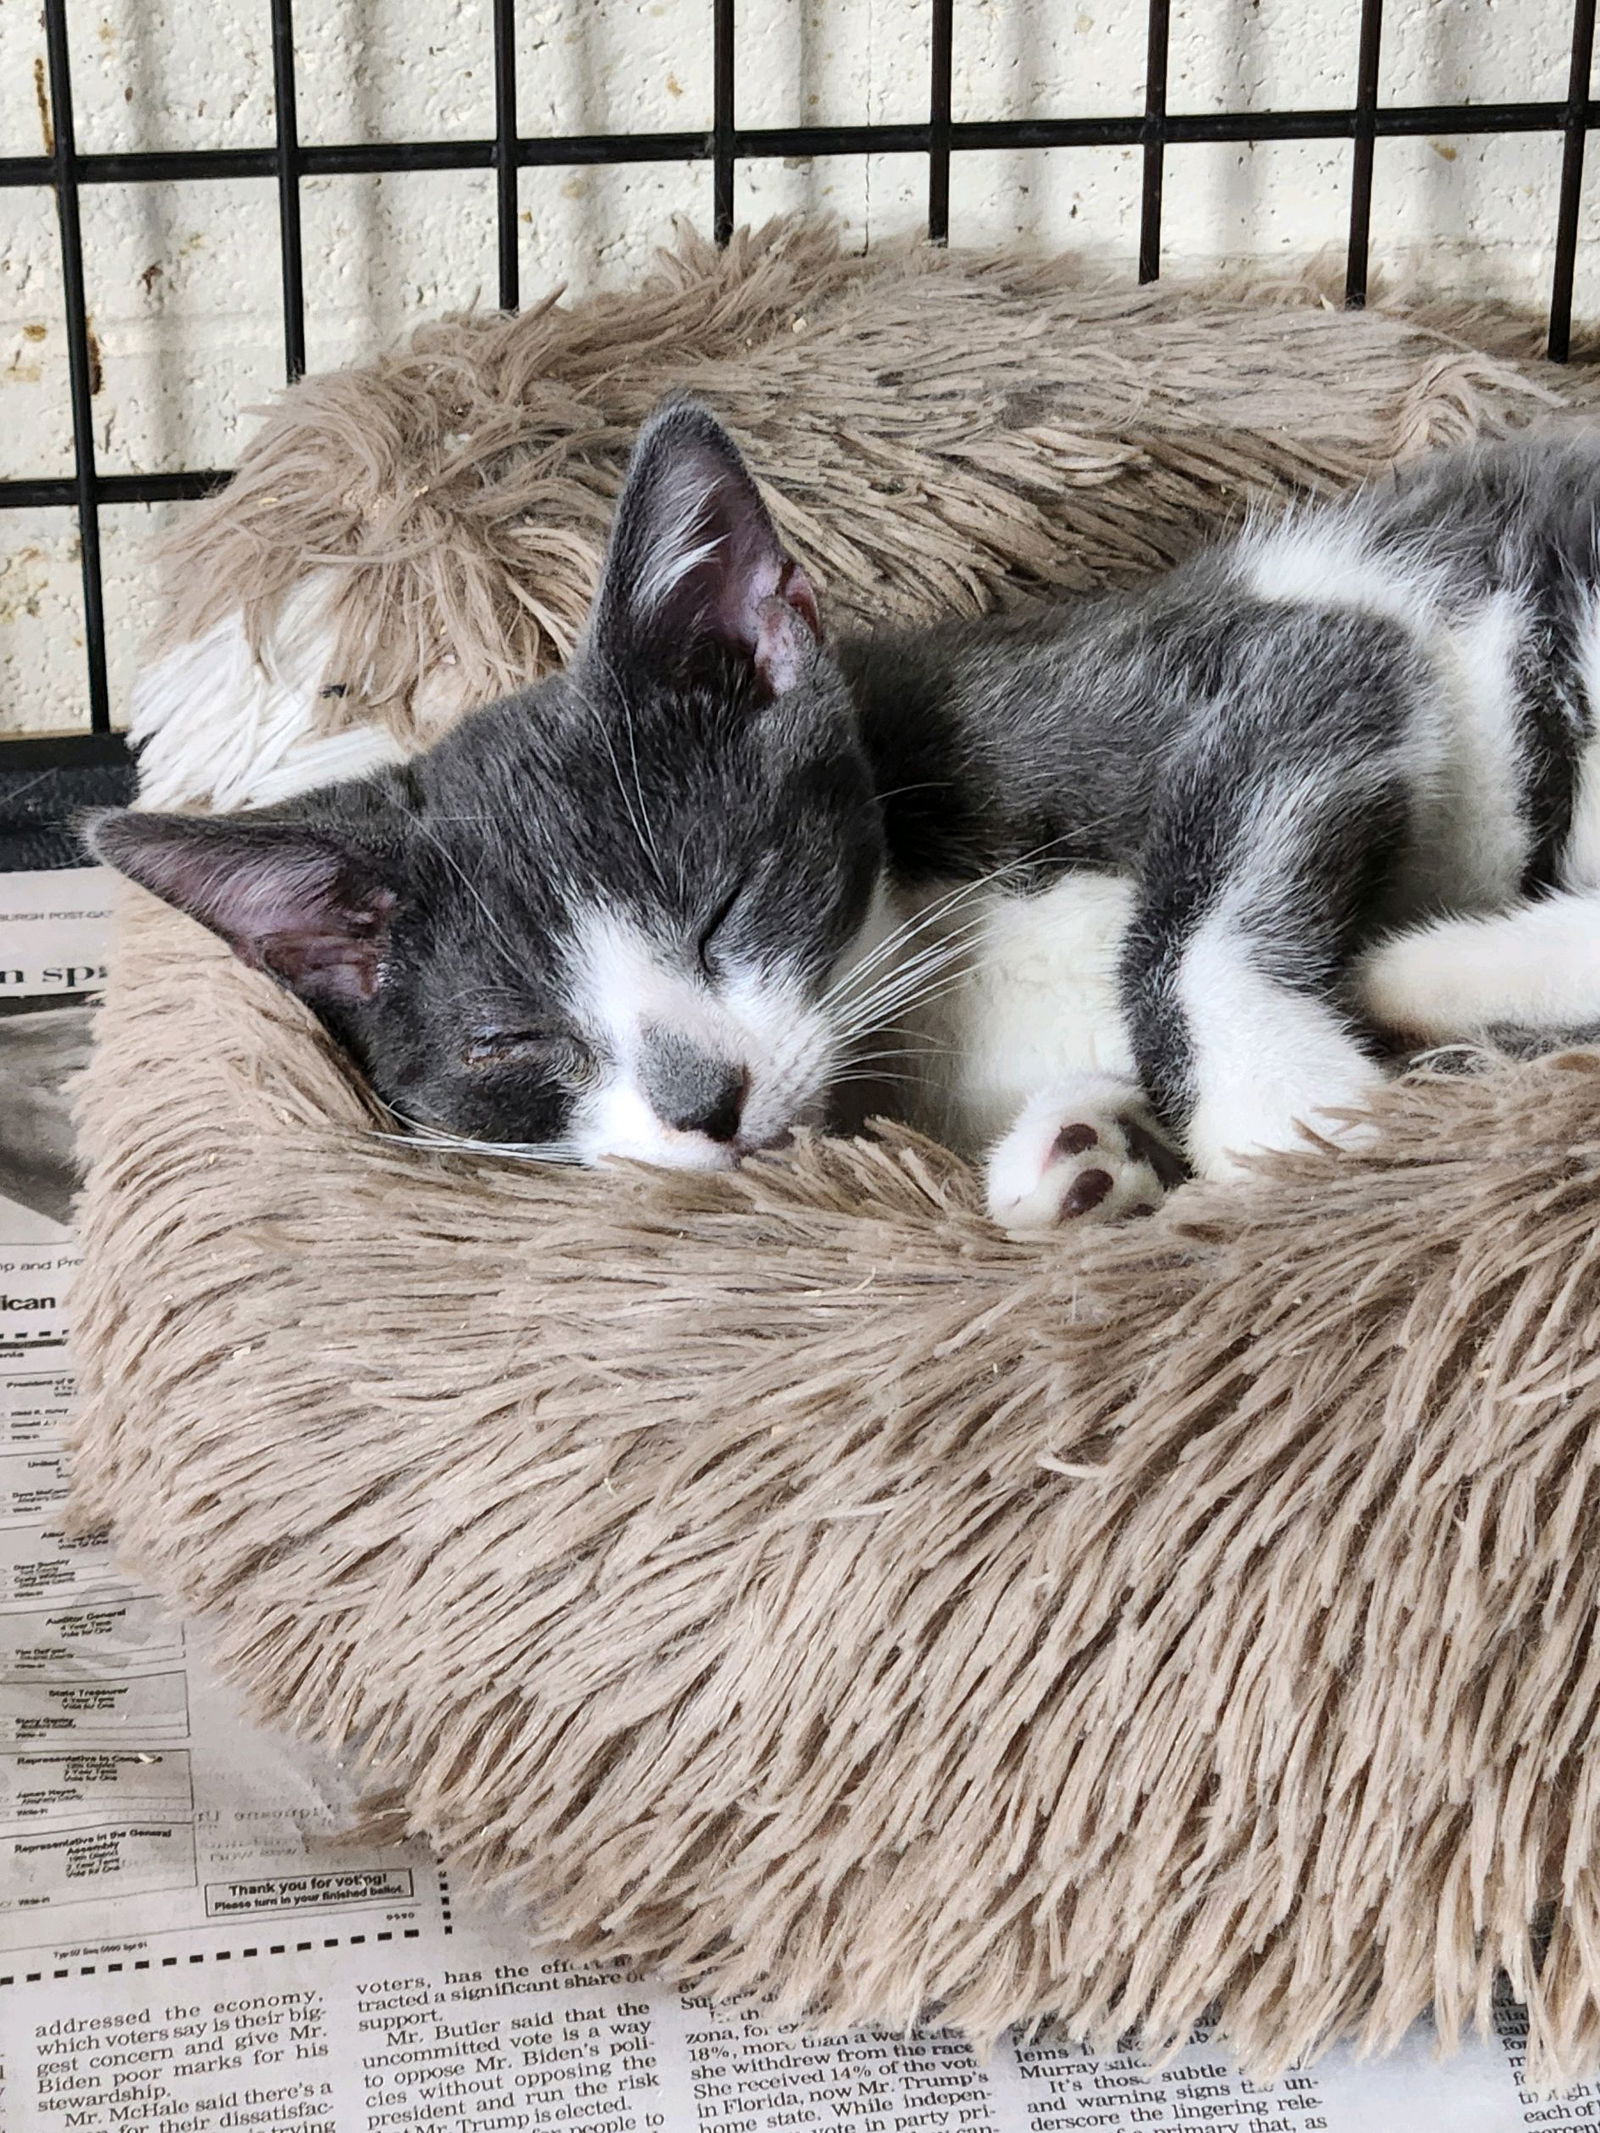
x: 658, y: 906
x: 1358, y: 720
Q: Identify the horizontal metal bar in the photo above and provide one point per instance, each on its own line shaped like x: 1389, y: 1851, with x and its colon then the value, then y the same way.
x: 49, y: 492
x: 61, y: 751
x: 169, y: 165
x: 1192, y: 126
x: 153, y: 167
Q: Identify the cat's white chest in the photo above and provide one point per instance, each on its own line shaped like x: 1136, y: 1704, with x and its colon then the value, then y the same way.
x: 1581, y: 860
x: 1030, y: 1000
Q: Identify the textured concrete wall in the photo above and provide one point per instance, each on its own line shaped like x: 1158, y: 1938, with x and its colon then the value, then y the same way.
x: 182, y: 279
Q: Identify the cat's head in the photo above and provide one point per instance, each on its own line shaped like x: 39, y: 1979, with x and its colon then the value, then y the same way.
x: 610, y: 916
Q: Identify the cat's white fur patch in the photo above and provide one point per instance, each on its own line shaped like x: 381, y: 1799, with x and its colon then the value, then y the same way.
x: 1029, y: 1003
x: 1268, y: 1062
x: 1325, y: 560
x: 617, y: 1124
x: 217, y: 727
x: 623, y: 985
x: 1471, y: 840
x: 1537, y: 966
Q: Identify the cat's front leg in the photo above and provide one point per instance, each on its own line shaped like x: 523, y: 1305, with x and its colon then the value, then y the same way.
x: 1271, y: 1065
x: 1086, y: 1149
x: 1258, y: 889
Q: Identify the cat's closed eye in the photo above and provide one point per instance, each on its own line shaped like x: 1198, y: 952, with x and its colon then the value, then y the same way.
x: 506, y: 1047
x: 706, y: 945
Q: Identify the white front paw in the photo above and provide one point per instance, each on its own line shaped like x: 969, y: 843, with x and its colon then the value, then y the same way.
x: 1232, y: 1125
x: 1085, y: 1150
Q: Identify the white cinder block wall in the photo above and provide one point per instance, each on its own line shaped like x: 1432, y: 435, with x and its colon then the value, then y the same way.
x: 182, y: 278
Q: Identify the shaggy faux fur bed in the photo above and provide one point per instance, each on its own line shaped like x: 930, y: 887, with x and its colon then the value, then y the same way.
x: 782, y: 1579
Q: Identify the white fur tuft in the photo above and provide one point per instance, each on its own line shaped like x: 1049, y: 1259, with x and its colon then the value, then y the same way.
x: 219, y: 728
x: 675, y: 551
x: 1581, y: 861
x: 1325, y: 559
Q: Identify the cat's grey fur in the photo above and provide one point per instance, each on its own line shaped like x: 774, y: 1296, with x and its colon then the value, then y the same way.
x: 654, y: 906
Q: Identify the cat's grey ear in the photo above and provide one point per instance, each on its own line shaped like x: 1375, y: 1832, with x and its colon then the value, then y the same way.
x: 694, y: 557
x: 287, y: 898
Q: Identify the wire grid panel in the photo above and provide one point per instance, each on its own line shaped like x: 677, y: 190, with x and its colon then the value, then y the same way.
x: 939, y: 138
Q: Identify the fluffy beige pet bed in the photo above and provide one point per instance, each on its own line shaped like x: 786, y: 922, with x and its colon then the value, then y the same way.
x: 784, y: 1580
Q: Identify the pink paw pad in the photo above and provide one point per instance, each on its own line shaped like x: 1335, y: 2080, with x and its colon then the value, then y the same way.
x: 1094, y: 1154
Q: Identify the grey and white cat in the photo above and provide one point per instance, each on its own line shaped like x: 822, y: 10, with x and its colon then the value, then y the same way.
x: 1338, y: 775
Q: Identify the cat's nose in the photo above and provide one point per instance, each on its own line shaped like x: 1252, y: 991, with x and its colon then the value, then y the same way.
x: 692, y: 1091
x: 717, y: 1117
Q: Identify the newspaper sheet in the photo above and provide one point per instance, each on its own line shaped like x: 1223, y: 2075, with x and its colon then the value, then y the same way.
x: 188, y: 1945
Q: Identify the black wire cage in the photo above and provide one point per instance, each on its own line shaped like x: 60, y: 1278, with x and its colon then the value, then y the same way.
x: 65, y: 171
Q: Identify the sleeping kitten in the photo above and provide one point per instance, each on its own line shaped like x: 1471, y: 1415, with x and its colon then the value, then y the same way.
x: 667, y: 904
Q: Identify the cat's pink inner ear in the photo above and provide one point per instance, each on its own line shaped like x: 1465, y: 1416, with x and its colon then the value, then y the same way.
x: 314, y: 918
x: 801, y: 594
x: 289, y: 902
x: 788, y: 628
x: 337, y: 955
x: 785, y: 648
x: 694, y: 558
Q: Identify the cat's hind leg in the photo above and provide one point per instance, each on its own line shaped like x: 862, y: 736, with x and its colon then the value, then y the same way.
x: 1535, y: 966
x: 1087, y: 1148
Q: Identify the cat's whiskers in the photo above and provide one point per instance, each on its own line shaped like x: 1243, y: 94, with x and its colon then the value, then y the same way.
x: 841, y: 1061
x: 885, y: 949
x: 903, y: 1051
x: 912, y: 982
x: 930, y: 915
x: 907, y: 983
x: 845, y: 995
x: 436, y: 1142
x: 441, y: 1140
x: 939, y: 985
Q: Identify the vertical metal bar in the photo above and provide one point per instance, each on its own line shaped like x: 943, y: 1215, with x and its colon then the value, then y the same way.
x: 1155, y: 138
x: 722, y: 118
x: 1367, y: 61
x: 505, y: 149
x: 80, y: 362
x: 1574, y: 125
x: 294, y: 295
x: 939, y: 122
